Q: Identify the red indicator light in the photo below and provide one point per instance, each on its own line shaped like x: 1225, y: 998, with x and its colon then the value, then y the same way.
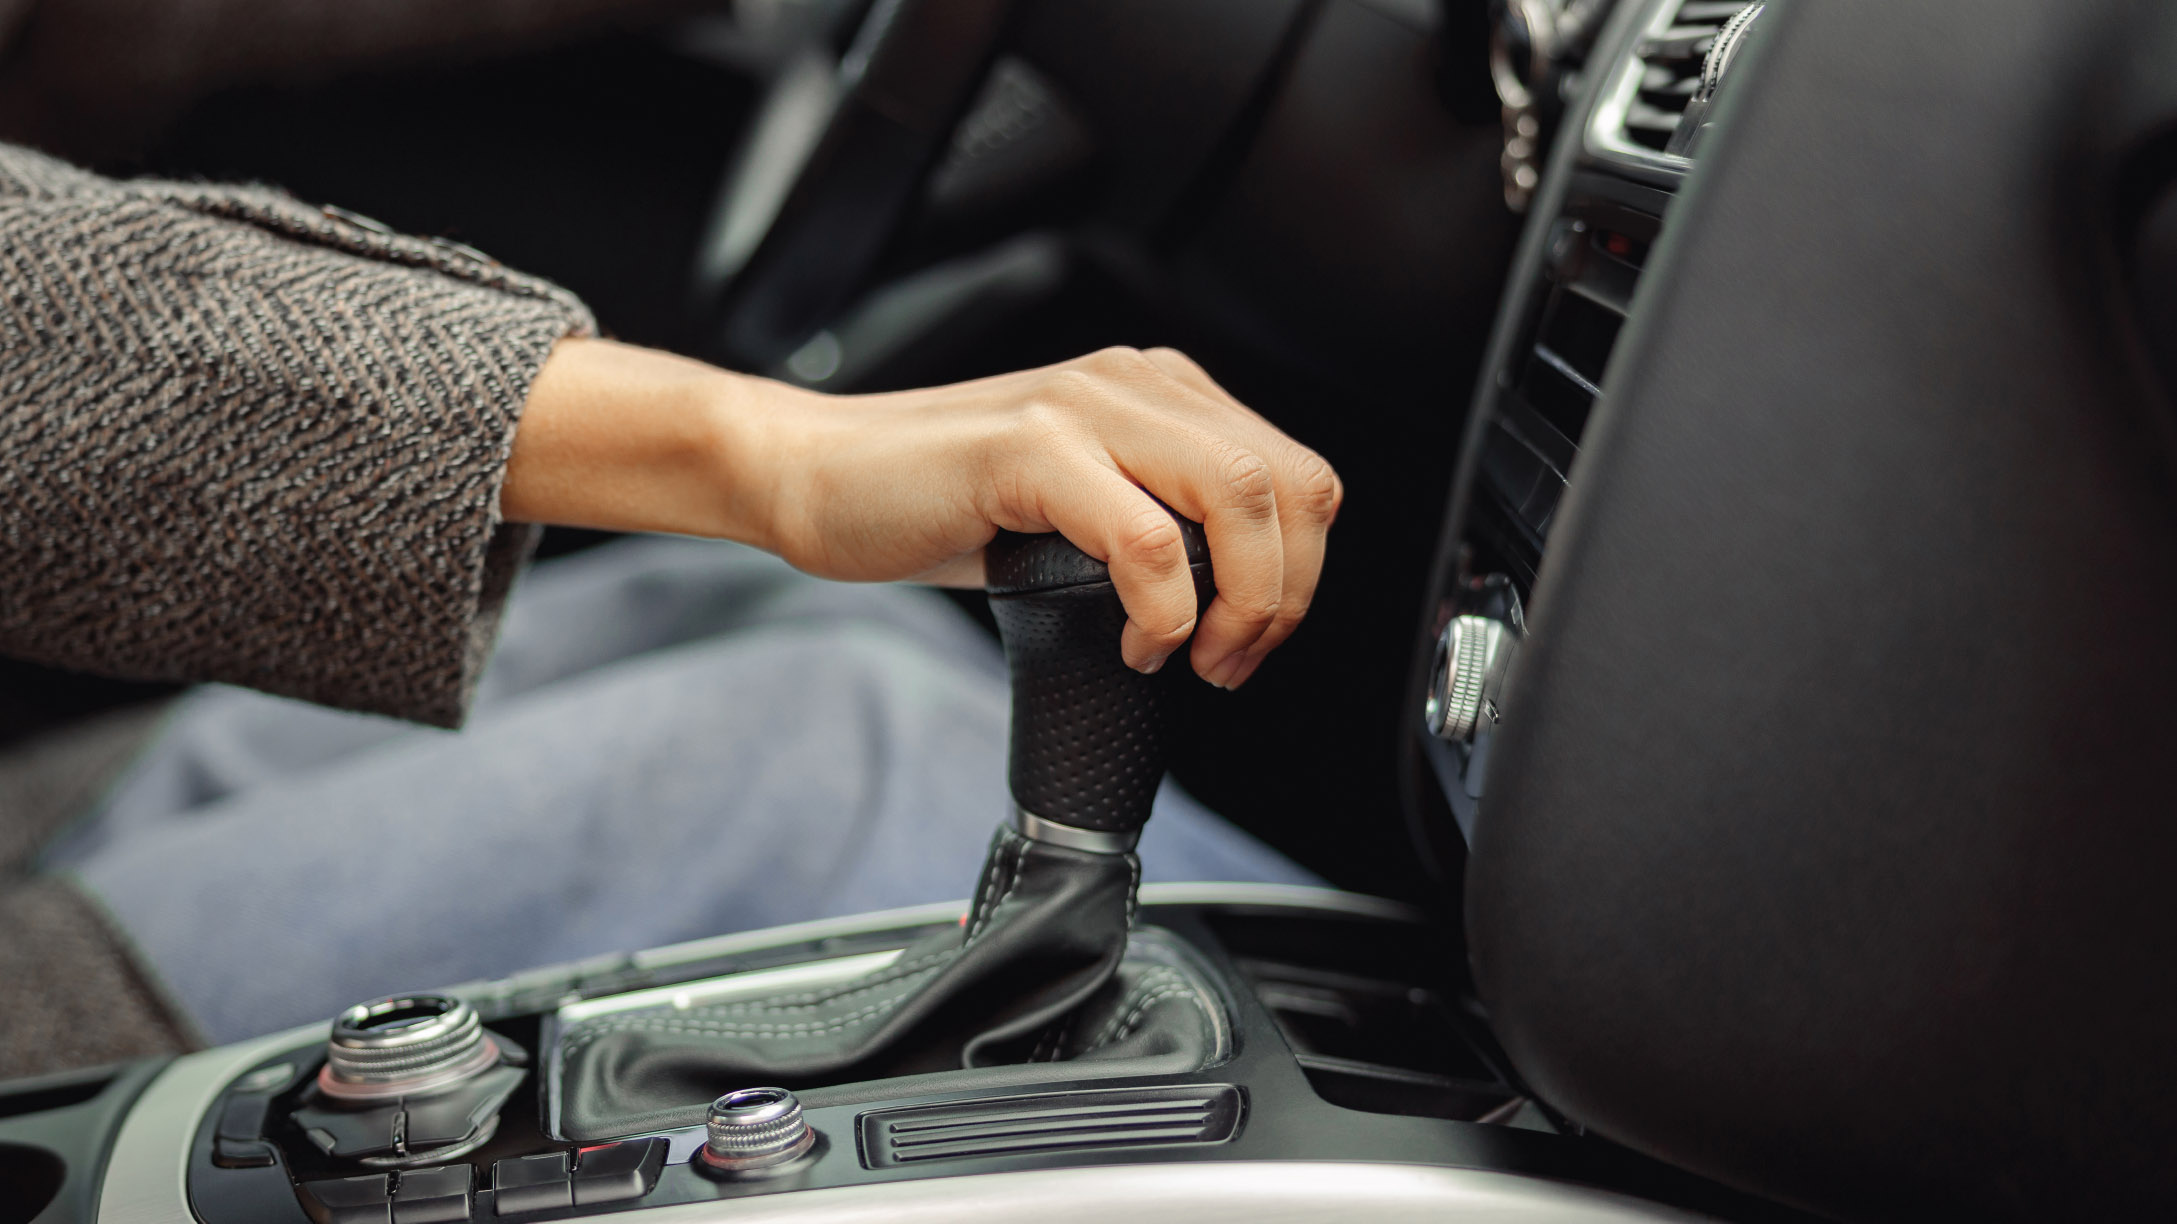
x: 1618, y: 245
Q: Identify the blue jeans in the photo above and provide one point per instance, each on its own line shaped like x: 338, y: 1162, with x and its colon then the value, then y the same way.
x: 675, y: 739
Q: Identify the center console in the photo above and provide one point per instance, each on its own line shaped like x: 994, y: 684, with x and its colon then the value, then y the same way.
x: 1341, y: 1079
x: 1066, y: 1044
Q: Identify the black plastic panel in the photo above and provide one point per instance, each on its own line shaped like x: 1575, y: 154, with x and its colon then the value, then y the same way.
x: 1265, y: 1102
x: 1827, y: 845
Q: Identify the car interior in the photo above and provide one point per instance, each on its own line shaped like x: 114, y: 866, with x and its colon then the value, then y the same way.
x: 1735, y: 719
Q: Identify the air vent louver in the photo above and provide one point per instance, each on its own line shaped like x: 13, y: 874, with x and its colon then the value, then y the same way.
x: 1055, y: 1122
x: 1645, y: 101
x: 1670, y: 70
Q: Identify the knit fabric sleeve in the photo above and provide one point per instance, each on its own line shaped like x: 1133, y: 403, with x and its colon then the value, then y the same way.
x: 246, y: 440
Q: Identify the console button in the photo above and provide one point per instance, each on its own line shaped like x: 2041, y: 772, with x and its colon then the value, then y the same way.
x: 348, y: 1200
x: 242, y: 1154
x: 531, y: 1183
x: 452, y: 1117
x: 243, y: 1118
x: 346, y: 1133
x: 618, y: 1171
x: 433, y: 1196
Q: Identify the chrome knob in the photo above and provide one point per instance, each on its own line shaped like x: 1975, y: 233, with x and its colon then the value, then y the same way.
x: 404, y: 1045
x: 755, y: 1128
x: 1466, y: 682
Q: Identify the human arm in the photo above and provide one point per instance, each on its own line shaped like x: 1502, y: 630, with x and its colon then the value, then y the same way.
x: 244, y: 440
x: 912, y: 484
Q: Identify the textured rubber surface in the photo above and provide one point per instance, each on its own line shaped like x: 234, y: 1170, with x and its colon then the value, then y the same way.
x: 1018, y: 564
x: 1090, y: 735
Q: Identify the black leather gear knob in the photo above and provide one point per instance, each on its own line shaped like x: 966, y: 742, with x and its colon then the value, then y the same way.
x: 1090, y: 735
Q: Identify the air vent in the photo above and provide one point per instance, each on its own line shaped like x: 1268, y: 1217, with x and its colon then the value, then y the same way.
x: 1048, y: 1123
x: 1646, y: 100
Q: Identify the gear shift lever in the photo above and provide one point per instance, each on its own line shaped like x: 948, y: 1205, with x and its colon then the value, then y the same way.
x: 1046, y: 938
x: 1090, y: 734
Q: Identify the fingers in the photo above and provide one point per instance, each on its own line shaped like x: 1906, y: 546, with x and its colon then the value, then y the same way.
x: 1265, y: 502
x: 1309, y: 495
x: 1230, y: 489
x: 1112, y: 519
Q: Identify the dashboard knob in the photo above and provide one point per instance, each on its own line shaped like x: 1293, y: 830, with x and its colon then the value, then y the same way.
x: 404, y: 1045
x: 754, y: 1129
x: 1466, y: 681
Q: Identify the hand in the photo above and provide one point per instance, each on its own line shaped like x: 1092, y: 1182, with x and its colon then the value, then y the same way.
x: 912, y: 484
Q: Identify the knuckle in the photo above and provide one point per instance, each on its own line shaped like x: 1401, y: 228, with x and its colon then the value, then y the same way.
x: 1167, y: 356
x: 1043, y: 425
x: 1316, y: 487
x: 1152, y: 538
x: 1074, y: 384
x: 1117, y: 357
x: 1249, y: 485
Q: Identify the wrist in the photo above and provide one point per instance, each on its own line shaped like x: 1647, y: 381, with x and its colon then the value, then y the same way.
x: 628, y: 439
x: 747, y: 448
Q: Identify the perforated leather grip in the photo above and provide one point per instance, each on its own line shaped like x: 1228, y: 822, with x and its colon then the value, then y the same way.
x: 1090, y: 735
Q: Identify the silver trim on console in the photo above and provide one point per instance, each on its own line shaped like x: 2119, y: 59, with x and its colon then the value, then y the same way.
x: 147, y: 1172
x: 1285, y: 896
x: 682, y: 996
x: 1220, y: 1192
x: 1094, y: 841
x: 848, y: 926
x: 1605, y: 136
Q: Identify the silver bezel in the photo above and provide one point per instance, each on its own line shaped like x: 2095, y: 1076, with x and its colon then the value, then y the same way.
x: 1605, y: 139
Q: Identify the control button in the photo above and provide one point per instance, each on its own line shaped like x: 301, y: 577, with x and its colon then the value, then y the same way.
x: 752, y: 1130
x: 404, y: 1046
x: 1467, y: 680
x: 433, y: 1196
x: 453, y: 1117
x: 243, y: 1118
x: 618, y: 1171
x: 531, y: 1183
x: 346, y: 1133
x: 349, y: 1200
x: 242, y: 1153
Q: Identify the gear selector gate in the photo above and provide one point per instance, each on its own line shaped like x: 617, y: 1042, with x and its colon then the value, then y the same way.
x: 1039, y: 971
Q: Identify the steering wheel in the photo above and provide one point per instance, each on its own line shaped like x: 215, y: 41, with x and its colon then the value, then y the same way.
x: 857, y: 142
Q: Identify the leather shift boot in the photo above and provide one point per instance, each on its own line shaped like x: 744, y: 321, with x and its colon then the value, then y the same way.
x: 1046, y: 935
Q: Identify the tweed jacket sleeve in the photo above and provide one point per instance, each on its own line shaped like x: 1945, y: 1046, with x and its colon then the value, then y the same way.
x: 246, y: 440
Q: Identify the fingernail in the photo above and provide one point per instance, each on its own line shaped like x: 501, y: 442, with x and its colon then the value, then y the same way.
x: 1222, y: 674
x: 1154, y: 665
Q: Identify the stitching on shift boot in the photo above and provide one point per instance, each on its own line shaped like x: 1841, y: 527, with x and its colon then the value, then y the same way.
x: 1155, y: 984
x: 1019, y: 848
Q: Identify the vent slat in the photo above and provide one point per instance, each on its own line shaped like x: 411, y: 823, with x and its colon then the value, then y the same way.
x: 1670, y: 60
x: 997, y: 1130
x: 1050, y: 1122
x: 1197, y: 1104
x: 1030, y: 1143
x: 1708, y: 12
